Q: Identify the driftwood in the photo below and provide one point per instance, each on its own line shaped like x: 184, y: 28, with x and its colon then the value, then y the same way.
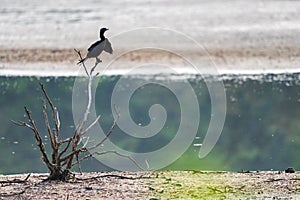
x: 16, y: 180
x: 8, y: 182
x: 65, y: 152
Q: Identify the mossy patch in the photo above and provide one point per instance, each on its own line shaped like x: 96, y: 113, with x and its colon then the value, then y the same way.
x: 221, y: 185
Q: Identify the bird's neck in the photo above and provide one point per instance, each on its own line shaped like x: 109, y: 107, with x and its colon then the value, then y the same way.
x: 102, y: 37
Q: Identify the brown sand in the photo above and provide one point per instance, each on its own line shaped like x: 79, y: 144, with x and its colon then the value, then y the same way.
x: 158, y: 185
x: 242, y: 58
x: 68, y: 55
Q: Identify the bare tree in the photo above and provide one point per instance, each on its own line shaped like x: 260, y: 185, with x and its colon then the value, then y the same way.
x: 65, y: 152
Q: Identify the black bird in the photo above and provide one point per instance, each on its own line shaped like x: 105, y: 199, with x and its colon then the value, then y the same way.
x: 96, y: 49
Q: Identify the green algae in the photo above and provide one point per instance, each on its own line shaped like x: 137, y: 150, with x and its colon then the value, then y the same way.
x: 220, y: 185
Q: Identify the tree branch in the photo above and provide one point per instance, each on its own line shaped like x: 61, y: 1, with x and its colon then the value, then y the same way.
x: 54, y: 113
x: 91, y: 125
x: 17, y: 180
x: 108, y: 133
x: 52, y: 140
x: 38, y: 139
x: 80, y: 56
x: 106, y: 152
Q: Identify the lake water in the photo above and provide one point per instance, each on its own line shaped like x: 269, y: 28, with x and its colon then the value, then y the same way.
x: 230, y: 23
x: 261, y: 130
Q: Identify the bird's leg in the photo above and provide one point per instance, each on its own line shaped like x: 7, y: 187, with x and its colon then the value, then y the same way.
x: 98, y: 60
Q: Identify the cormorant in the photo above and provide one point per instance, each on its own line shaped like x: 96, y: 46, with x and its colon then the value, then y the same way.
x: 96, y: 49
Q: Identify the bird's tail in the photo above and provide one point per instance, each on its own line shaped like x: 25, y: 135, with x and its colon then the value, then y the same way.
x: 81, y: 61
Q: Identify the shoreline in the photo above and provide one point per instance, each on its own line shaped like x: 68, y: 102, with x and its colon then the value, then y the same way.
x: 119, y: 72
x: 157, y: 185
x: 226, y: 60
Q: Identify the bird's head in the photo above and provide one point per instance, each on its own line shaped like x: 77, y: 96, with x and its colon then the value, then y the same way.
x: 102, y: 30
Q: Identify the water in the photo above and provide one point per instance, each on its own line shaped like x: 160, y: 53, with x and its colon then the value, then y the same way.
x: 59, y: 24
x: 261, y: 130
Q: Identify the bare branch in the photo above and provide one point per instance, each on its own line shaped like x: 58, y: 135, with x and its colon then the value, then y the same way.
x: 86, y: 142
x: 17, y: 180
x: 80, y: 56
x: 101, y: 142
x: 88, y: 107
x: 57, y: 119
x: 90, y: 80
x: 21, y: 123
x: 38, y: 139
x: 78, y: 163
x: 69, y: 140
x: 93, y: 68
x: 91, y: 125
x: 72, y: 153
x: 54, y: 113
x: 12, y: 194
x: 106, y: 152
x: 65, y: 141
x: 114, y: 176
x: 52, y: 141
x: 108, y: 133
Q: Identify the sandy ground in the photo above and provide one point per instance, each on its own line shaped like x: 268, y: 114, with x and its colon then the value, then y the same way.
x: 63, y: 61
x: 157, y: 185
x: 109, y: 186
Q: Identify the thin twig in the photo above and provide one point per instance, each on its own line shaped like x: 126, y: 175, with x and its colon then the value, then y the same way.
x: 108, y: 133
x: 17, y: 180
x: 110, y: 175
x: 93, y: 68
x: 69, y: 140
x: 38, y: 139
x: 12, y: 194
x: 52, y: 141
x: 78, y: 164
x: 80, y: 56
x: 54, y: 113
x: 281, y: 179
x: 21, y: 123
x: 106, y: 152
x: 91, y: 125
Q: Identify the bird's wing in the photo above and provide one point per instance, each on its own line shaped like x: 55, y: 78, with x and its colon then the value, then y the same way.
x: 93, y: 45
x: 108, y: 47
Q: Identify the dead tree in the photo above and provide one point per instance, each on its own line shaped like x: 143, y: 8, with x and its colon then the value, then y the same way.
x: 65, y: 152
